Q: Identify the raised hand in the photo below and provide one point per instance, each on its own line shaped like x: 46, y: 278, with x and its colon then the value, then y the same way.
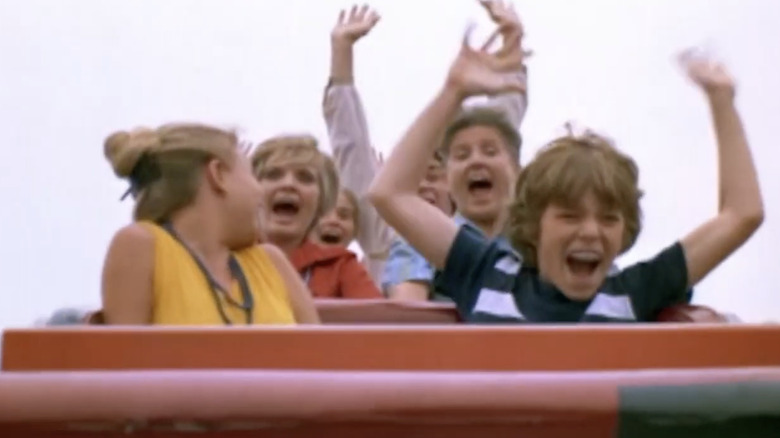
x: 504, y: 15
x: 354, y: 25
x: 706, y: 72
x: 509, y: 25
x: 478, y: 72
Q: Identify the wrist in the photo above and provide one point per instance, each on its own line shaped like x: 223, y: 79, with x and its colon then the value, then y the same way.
x: 341, y: 43
x: 720, y: 96
x: 452, y: 93
x: 337, y: 79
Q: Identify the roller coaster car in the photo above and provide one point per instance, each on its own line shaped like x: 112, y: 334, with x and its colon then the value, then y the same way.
x: 386, y: 369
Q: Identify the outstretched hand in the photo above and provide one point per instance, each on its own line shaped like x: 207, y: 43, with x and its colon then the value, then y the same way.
x: 509, y: 25
x: 711, y: 75
x: 354, y: 25
x: 479, y: 72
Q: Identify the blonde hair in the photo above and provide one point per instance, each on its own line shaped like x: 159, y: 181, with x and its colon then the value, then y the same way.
x: 562, y: 173
x: 164, y: 165
x: 300, y: 149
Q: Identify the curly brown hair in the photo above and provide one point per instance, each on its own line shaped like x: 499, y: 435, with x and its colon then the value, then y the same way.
x: 564, y: 171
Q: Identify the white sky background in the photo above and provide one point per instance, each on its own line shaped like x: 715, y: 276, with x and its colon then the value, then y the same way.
x: 71, y: 72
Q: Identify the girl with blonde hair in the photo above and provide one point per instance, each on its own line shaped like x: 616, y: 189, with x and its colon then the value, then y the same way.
x: 299, y: 186
x: 190, y: 256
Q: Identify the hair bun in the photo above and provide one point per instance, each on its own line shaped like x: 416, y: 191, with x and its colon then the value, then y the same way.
x: 124, y: 149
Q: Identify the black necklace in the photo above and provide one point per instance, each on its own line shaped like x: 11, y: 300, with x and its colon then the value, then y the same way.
x: 235, y: 270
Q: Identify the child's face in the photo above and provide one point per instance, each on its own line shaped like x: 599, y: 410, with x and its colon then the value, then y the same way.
x: 337, y: 227
x: 577, y: 245
x: 243, y: 198
x: 434, y: 188
x: 481, y: 172
x: 290, y: 194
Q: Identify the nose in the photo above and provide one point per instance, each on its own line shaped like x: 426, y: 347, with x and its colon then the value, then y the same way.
x: 329, y: 218
x: 287, y: 179
x: 589, y: 228
x: 476, y: 158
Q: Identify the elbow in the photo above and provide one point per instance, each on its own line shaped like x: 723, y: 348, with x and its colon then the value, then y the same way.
x: 750, y: 220
x: 378, y: 196
x: 754, y: 219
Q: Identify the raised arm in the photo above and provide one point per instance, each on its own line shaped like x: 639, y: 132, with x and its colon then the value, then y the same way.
x: 741, y: 210
x: 513, y: 104
x: 348, y: 129
x: 394, y: 191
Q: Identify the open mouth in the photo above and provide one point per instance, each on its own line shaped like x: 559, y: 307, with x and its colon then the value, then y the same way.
x: 286, y: 207
x: 330, y: 239
x: 583, y: 263
x: 479, y: 186
x: 331, y: 235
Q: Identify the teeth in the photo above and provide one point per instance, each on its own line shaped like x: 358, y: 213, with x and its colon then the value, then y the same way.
x: 585, y: 256
x: 286, y: 199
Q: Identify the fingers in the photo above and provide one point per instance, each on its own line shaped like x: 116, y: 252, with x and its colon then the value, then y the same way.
x: 488, y: 5
x: 507, y: 63
x: 466, y: 42
x: 361, y: 13
x: 491, y: 39
x: 509, y: 84
x: 342, y: 16
x: 373, y: 18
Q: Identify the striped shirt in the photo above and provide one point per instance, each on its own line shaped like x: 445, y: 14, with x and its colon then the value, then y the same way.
x: 488, y: 283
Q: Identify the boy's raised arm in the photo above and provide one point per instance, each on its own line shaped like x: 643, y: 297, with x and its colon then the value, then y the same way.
x: 394, y: 191
x: 741, y: 210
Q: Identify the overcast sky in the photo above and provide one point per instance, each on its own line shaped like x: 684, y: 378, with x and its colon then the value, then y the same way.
x: 74, y: 71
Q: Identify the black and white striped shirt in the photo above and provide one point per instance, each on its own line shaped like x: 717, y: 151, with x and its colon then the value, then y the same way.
x: 488, y: 283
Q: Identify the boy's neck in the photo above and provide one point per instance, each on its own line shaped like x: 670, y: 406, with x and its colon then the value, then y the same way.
x: 491, y: 228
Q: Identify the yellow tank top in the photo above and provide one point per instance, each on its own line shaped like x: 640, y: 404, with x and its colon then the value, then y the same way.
x: 183, y: 295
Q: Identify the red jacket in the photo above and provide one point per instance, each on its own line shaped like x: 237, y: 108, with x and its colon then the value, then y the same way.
x: 333, y: 272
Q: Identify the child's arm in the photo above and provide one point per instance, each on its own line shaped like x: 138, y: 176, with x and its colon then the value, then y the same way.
x: 128, y: 277
x: 394, y: 191
x: 407, y: 275
x: 512, y: 105
x: 741, y: 209
x: 348, y: 129
x: 300, y: 298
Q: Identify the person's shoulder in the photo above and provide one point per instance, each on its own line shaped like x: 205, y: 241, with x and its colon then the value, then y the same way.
x: 273, y: 252
x: 136, y: 236
x: 261, y: 255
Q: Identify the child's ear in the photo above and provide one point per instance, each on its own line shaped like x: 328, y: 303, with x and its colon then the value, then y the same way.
x: 215, y: 173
